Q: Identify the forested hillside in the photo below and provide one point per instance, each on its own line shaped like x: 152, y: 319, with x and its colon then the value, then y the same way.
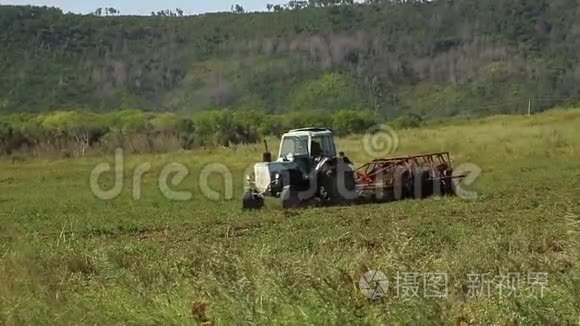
x: 437, y: 58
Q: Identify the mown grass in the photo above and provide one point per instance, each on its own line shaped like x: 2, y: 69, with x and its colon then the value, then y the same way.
x: 69, y: 258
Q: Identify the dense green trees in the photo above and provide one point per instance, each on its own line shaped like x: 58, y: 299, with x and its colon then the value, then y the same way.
x: 431, y: 58
x: 74, y: 133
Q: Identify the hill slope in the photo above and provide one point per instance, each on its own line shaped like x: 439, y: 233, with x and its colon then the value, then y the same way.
x: 438, y: 58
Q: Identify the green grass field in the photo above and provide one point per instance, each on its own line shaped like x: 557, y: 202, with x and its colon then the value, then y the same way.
x: 70, y: 258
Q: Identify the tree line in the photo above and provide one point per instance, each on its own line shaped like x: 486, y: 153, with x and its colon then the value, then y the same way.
x: 77, y: 133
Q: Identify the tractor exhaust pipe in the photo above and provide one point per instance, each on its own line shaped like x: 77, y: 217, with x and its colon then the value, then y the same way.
x: 267, y: 156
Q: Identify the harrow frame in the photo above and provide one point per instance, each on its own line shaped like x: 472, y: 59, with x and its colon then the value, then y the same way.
x: 417, y: 176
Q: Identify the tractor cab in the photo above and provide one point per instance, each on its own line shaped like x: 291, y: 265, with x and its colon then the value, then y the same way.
x: 304, y: 146
x: 307, y: 143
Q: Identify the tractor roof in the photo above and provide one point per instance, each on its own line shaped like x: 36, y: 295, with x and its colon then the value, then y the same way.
x: 310, y: 132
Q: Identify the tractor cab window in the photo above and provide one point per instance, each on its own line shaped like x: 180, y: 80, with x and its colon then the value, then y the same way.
x: 322, y: 146
x: 295, y: 145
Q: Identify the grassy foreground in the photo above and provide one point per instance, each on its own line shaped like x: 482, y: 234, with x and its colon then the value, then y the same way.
x: 70, y: 258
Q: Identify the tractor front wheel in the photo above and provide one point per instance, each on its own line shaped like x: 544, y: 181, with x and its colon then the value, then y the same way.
x: 253, y: 200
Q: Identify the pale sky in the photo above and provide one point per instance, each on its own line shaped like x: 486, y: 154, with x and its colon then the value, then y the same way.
x: 144, y: 7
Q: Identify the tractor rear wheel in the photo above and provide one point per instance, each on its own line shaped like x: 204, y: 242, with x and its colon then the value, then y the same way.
x: 338, y: 181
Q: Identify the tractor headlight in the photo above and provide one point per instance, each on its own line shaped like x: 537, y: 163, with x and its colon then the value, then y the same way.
x: 276, y: 185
